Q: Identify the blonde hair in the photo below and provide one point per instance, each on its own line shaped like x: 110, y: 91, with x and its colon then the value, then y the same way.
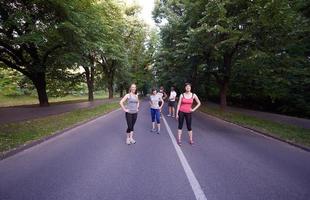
x: 131, y: 86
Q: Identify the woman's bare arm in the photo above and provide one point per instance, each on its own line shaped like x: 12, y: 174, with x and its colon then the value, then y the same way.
x: 122, y: 102
x: 150, y: 101
x: 138, y: 105
x: 198, y: 103
x: 178, y: 107
x: 162, y: 104
x: 165, y: 95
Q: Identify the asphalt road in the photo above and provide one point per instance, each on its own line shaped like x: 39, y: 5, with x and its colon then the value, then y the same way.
x: 92, y: 162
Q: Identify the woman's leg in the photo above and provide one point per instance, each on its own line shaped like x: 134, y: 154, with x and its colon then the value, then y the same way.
x: 133, y: 121
x: 180, y: 126
x: 188, y: 119
x: 129, y: 122
x: 169, y: 109
x: 153, y: 118
x: 157, y: 114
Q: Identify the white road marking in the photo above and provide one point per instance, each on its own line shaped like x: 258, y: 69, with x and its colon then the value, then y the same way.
x: 199, y: 194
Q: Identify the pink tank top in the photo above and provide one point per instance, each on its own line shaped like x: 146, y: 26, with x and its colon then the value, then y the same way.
x: 186, y: 104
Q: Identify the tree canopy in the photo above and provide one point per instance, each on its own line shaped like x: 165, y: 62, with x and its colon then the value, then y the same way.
x: 68, y: 41
x: 250, y: 51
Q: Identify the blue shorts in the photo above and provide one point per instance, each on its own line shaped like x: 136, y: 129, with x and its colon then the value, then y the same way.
x: 155, y: 114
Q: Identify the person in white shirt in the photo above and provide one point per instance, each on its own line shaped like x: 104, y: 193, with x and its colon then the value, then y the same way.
x: 162, y: 94
x: 155, y: 110
x: 171, y: 103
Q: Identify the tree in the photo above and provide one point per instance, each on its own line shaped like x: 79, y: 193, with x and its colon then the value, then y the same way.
x: 31, y: 34
x: 139, y: 44
x: 209, y: 41
x: 39, y: 37
x: 111, y: 55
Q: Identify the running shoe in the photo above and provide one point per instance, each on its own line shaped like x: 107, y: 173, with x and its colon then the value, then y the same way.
x: 153, y: 130
x: 132, y: 141
x: 128, y: 141
x: 168, y: 115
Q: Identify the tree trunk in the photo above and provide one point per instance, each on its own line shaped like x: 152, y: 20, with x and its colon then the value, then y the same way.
x: 224, y: 83
x: 121, y: 92
x: 110, y: 88
x: 111, y: 79
x: 40, y: 84
x: 109, y: 70
x: 90, y: 82
x: 92, y: 74
x: 223, y: 93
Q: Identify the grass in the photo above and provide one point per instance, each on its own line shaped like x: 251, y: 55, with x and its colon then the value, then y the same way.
x: 16, y: 134
x: 288, y: 133
x: 6, y: 101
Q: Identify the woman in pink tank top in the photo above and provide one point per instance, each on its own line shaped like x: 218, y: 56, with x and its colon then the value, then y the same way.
x: 184, y: 110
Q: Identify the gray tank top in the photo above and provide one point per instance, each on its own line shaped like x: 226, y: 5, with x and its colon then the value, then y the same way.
x: 132, y: 103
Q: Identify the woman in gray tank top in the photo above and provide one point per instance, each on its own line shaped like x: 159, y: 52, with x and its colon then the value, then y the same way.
x: 131, y: 111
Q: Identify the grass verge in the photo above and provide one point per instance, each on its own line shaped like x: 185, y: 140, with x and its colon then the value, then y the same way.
x: 13, y: 135
x: 289, y: 133
x: 6, y: 101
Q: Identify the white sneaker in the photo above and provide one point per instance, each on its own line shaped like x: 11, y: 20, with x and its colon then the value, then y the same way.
x: 168, y: 115
x: 132, y: 141
x: 128, y: 141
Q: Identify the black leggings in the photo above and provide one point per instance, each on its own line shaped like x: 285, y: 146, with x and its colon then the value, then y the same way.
x: 131, y: 119
x: 188, y: 119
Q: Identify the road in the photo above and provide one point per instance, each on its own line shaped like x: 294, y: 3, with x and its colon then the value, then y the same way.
x: 92, y: 162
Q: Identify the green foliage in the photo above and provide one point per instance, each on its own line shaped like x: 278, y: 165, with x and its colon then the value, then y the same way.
x: 256, y: 52
x: 49, y: 41
x: 34, y: 34
x: 13, y: 83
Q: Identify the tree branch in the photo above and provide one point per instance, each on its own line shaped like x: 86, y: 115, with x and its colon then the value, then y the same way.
x: 48, y: 52
x: 11, y: 52
x: 14, y: 66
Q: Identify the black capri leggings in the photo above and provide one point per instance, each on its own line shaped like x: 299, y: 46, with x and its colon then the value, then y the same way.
x: 131, y: 119
x: 188, y: 119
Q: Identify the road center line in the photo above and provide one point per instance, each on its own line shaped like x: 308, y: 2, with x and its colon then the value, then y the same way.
x: 199, y: 194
